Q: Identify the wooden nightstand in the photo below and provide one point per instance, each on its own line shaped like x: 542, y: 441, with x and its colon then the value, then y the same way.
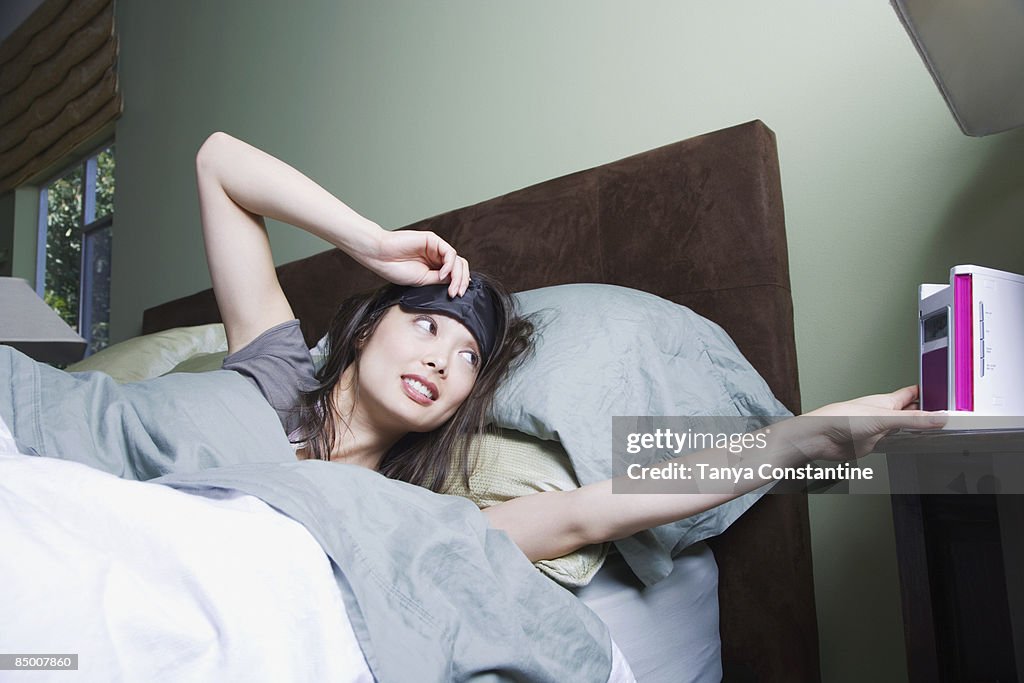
x: 961, y: 557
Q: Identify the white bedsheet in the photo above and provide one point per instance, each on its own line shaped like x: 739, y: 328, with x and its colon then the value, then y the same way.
x: 146, y: 583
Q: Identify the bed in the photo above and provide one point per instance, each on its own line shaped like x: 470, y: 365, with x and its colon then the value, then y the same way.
x: 223, y: 557
x: 699, y: 223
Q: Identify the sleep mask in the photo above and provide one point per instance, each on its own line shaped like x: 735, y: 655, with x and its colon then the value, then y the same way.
x: 475, y: 309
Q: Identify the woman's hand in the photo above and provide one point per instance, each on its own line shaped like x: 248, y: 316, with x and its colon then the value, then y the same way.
x: 852, y: 429
x: 553, y: 523
x: 413, y: 257
x: 239, y: 185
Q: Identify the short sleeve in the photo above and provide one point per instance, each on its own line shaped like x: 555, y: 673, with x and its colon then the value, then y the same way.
x: 278, y: 363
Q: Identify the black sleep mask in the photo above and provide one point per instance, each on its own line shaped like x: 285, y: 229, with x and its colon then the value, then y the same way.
x: 475, y: 309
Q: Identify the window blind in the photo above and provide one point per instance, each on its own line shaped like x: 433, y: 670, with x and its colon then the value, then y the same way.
x: 58, y: 85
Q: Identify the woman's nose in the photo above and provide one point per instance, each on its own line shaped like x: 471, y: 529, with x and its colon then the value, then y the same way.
x: 438, y: 364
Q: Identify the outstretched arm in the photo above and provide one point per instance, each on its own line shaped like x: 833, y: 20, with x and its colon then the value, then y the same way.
x: 239, y: 185
x: 551, y: 524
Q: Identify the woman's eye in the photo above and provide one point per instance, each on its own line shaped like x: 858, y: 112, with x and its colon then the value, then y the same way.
x: 471, y: 357
x: 427, y: 324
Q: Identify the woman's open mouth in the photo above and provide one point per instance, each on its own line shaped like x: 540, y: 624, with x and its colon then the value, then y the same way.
x: 419, y: 389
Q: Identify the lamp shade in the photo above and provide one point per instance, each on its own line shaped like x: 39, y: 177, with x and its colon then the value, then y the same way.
x: 32, y: 327
x: 975, y: 52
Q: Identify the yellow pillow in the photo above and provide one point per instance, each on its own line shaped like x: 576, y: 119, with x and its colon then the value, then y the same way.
x: 202, y: 362
x: 511, y: 464
x: 154, y: 354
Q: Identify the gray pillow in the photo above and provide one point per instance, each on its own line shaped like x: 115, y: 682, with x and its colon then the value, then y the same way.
x: 603, y: 351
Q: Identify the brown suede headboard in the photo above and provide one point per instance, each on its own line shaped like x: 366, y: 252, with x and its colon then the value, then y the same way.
x: 699, y: 222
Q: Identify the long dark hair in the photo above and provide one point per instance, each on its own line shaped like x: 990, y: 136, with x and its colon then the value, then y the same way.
x: 427, y: 459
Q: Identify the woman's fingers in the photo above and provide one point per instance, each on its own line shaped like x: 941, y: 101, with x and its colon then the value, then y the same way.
x: 464, y: 276
x: 904, y: 397
x: 860, y: 423
x: 454, y: 268
x: 919, y: 419
x: 872, y: 426
x: 460, y: 278
x: 896, y: 400
x: 439, y: 252
x: 423, y: 258
x: 456, y: 273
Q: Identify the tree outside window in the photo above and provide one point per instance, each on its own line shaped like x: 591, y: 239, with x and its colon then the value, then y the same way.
x: 76, y: 216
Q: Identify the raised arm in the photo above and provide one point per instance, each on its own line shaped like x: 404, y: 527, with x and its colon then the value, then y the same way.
x: 239, y: 185
x: 551, y: 524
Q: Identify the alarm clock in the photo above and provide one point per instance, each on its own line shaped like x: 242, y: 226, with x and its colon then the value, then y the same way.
x: 972, y: 343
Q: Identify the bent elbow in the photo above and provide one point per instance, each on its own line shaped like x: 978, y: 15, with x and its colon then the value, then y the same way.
x: 211, y: 150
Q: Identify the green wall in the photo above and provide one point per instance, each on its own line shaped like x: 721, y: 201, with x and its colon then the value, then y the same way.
x: 405, y: 109
x: 19, y: 220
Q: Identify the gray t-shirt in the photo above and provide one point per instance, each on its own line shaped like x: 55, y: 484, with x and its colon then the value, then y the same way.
x: 280, y: 366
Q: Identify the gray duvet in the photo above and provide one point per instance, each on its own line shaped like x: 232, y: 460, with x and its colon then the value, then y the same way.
x: 433, y: 593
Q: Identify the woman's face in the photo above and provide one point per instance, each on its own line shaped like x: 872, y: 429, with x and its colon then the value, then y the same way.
x: 416, y: 369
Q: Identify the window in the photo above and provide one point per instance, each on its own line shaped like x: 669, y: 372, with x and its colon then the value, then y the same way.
x: 76, y: 218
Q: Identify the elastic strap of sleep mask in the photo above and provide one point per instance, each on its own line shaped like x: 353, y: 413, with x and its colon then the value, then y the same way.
x: 475, y: 309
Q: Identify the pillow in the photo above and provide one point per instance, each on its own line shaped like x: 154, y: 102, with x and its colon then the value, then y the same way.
x: 182, y: 349
x: 154, y: 354
x: 201, y: 362
x: 510, y: 464
x: 204, y: 362
x: 602, y: 351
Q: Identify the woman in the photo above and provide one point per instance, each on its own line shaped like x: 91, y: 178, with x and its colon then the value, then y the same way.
x: 413, y: 367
